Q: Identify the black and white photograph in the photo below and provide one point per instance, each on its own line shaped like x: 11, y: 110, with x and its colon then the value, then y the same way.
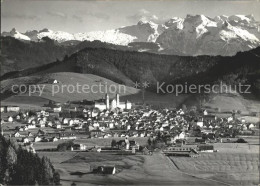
x: 130, y: 92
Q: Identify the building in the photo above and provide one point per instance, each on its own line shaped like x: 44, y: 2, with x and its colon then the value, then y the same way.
x: 10, y: 109
x: 67, y: 135
x: 206, y: 148
x: 113, y: 104
x: 57, y: 109
x: 42, y: 113
x: 105, y: 170
x: 79, y: 147
x: 186, y: 151
x: 10, y: 119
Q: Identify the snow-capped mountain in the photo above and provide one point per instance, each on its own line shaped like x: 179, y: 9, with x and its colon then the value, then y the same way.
x: 193, y: 35
x: 144, y: 31
x: 201, y: 35
x: 14, y: 33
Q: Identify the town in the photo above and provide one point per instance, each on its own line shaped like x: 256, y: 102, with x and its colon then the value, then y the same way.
x: 108, y: 127
x: 107, y: 118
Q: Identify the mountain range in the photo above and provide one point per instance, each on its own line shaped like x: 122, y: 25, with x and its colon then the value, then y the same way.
x: 191, y: 36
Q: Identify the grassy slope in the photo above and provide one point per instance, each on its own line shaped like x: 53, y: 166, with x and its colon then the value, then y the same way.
x: 226, y: 102
x: 64, y: 78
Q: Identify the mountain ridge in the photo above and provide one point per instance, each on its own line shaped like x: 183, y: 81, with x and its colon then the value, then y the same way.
x: 193, y: 35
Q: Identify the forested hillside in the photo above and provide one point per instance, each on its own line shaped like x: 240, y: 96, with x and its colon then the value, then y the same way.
x: 127, y: 67
x: 19, y: 167
x: 19, y: 55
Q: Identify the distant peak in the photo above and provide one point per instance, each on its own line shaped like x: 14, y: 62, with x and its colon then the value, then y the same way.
x: 251, y: 16
x: 13, y: 30
x: 226, y: 24
x: 145, y: 22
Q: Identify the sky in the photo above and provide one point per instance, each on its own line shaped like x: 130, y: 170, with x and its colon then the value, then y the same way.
x: 92, y: 15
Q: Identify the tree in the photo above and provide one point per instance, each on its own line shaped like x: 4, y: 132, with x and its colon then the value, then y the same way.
x: 149, y: 142
x: 113, y: 143
x: 56, y: 178
x: 65, y: 146
x: 184, y: 107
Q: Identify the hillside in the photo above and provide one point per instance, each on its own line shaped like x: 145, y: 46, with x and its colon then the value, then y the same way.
x: 63, y: 94
x: 18, y: 55
x: 19, y: 166
x: 224, y: 102
x: 128, y: 66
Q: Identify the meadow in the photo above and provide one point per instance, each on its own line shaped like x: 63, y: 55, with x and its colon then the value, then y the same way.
x: 234, y: 163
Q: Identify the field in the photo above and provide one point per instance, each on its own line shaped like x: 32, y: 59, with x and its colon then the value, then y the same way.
x: 235, y: 164
x: 89, y: 142
x: 131, y: 169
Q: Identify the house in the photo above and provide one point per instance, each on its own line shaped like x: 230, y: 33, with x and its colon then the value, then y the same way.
x: 25, y: 140
x: 25, y: 127
x: 251, y: 126
x: 10, y: 109
x: 70, y: 122
x: 190, y: 153
x: 57, y: 109
x: 78, y: 147
x: 17, y: 135
x: 209, y: 118
x: 53, y: 139
x: 50, y: 124
x: 13, y: 109
x: 33, y: 122
x: 96, y: 133
x: 229, y: 119
x: 41, y: 123
x: 105, y: 170
x: 18, y: 117
x: 65, y: 121
x: 206, y: 148
x: 111, y: 125
x: 10, y: 119
x: 30, y: 134
x: 67, y: 135
x: 200, y: 123
x: 96, y: 125
x: 31, y: 126
x: 200, y: 140
x: 42, y: 113
x: 37, y: 139
x: 205, y: 112
x: 57, y: 126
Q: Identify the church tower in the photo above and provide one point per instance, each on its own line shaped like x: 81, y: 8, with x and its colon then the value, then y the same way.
x: 107, y: 101
x: 117, y: 100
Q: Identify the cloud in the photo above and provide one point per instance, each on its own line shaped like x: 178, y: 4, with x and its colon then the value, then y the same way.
x: 100, y: 15
x: 91, y: 15
x: 57, y: 14
x: 78, y: 18
x: 19, y: 16
x: 143, y: 14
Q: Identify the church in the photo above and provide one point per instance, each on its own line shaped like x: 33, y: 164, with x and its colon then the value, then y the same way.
x: 106, y: 104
